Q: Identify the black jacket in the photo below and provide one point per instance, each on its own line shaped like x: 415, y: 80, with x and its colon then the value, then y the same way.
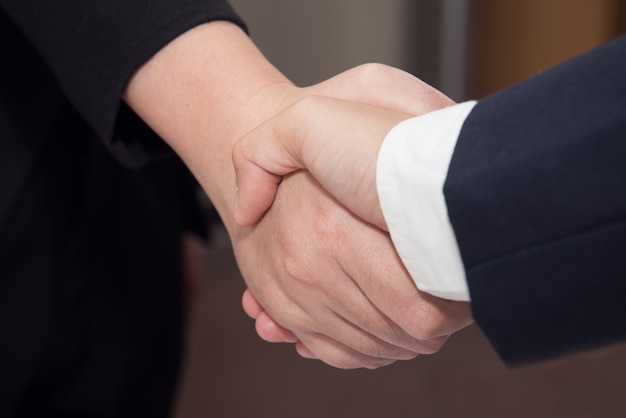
x: 90, y: 270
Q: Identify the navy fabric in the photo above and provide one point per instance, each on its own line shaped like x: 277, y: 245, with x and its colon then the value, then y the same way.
x: 536, y: 194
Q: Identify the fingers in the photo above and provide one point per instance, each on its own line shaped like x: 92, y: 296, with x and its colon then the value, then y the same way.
x: 344, y: 359
x: 423, y: 317
x: 268, y: 329
x: 272, y: 332
x: 314, y: 325
x: 341, y: 356
x: 304, y: 274
x: 330, y: 351
x: 303, y: 351
x: 337, y: 354
x: 250, y: 305
x: 380, y: 297
x: 322, y: 348
x: 333, y: 352
x: 335, y: 140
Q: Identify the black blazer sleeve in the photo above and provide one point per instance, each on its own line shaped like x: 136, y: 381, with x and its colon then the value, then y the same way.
x: 536, y: 194
x: 93, y: 47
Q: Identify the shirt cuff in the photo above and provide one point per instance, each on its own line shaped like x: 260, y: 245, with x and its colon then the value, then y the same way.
x: 411, y: 170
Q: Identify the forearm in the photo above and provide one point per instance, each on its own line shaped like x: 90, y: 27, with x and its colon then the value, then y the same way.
x: 203, y: 91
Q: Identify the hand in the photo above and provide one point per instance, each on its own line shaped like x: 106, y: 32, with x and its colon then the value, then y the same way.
x: 348, y: 302
x: 337, y: 141
x: 329, y: 116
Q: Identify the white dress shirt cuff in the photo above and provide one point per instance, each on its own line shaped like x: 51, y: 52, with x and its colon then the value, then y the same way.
x: 412, y: 167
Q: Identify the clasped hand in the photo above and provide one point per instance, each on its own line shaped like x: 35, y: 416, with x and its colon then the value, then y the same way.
x: 337, y: 288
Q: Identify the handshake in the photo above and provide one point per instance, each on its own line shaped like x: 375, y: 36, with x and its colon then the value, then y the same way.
x: 328, y: 277
x: 342, y: 229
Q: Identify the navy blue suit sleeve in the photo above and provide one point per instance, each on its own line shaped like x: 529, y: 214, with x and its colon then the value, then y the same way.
x: 93, y: 47
x: 536, y: 194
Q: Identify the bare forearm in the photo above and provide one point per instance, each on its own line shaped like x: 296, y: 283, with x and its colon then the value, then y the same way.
x: 201, y: 93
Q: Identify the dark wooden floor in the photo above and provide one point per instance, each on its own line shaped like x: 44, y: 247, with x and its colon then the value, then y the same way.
x: 230, y: 372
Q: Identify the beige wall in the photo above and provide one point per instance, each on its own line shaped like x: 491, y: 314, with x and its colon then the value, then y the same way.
x: 310, y: 40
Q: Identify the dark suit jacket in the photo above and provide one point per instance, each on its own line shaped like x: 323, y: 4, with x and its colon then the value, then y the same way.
x: 536, y: 193
x: 90, y: 270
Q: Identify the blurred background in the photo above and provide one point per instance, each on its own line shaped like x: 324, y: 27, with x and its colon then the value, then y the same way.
x: 467, y: 49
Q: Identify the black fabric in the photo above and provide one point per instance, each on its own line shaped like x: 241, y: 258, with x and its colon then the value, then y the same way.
x: 92, y: 48
x: 90, y: 263
x: 536, y: 194
x: 90, y: 296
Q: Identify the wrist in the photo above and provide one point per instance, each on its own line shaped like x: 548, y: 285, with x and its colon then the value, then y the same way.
x: 202, y: 92
x: 212, y: 163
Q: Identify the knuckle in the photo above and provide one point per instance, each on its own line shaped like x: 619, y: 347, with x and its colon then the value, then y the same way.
x: 378, y: 363
x: 383, y: 351
x: 296, y: 270
x: 333, y: 228
x: 371, y: 71
x: 432, y: 346
x: 391, y: 353
x: 349, y: 362
x: 427, y: 323
x: 305, y: 105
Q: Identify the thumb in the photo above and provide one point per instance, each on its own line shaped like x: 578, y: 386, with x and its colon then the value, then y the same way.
x: 256, y: 189
x: 261, y: 158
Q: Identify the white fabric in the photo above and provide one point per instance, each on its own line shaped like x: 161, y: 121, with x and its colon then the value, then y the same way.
x: 411, y: 170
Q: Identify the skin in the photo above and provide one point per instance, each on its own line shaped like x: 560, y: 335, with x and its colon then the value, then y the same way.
x: 338, y: 142
x: 205, y: 90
